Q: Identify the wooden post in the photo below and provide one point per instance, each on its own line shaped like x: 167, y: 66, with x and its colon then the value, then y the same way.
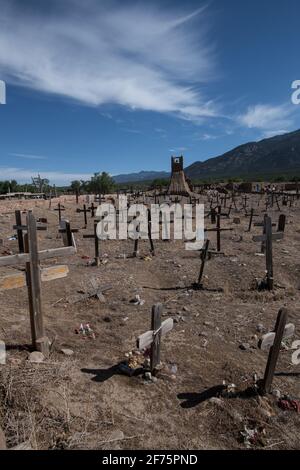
x: 274, y: 351
x: 149, y: 232
x: 85, y: 217
x: 40, y: 342
x: 203, y: 256
x: 251, y: 218
x: 269, y: 253
x: 213, y: 215
x: 281, y: 223
x: 218, y: 232
x: 263, y: 243
x: 155, y: 325
x: 59, y: 212
x: 19, y: 231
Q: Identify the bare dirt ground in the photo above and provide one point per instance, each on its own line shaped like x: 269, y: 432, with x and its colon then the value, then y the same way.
x: 83, y: 402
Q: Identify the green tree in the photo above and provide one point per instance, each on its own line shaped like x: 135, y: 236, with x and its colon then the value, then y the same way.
x: 75, y: 185
x: 102, y: 183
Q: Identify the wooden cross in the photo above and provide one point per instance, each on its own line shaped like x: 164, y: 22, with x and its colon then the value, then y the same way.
x: 267, y: 240
x: 251, y: 218
x: 136, y: 241
x: 92, y: 209
x: 273, y: 341
x: 96, y: 240
x: 34, y: 275
x: 84, y: 210
x: 59, y: 208
x: 203, y: 256
x: 20, y: 228
x: 153, y: 337
x: 65, y: 229
x: 246, y: 198
x: 218, y: 229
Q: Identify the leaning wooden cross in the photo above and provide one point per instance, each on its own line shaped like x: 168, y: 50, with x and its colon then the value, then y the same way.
x: 152, y: 337
x: 273, y: 341
x: 267, y: 239
x: 32, y: 277
x: 204, y: 253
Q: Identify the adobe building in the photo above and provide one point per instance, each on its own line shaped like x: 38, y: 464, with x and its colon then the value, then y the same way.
x: 178, y: 184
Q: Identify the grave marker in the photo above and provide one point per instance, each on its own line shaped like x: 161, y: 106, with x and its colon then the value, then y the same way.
x: 267, y: 239
x: 34, y: 275
x: 153, y: 337
x: 281, y: 331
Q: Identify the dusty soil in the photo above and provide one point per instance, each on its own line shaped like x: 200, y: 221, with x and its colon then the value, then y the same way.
x: 83, y: 402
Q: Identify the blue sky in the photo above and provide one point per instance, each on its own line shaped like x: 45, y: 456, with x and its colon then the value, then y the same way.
x: 120, y: 86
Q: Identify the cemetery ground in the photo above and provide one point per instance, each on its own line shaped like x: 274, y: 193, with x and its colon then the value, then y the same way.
x: 82, y: 401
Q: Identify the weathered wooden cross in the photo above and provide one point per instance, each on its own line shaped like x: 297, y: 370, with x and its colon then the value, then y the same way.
x: 96, y: 240
x: 153, y: 337
x: 251, y: 215
x: 267, y: 240
x: 203, y: 256
x: 32, y: 278
x: 59, y: 208
x: 273, y: 341
x: 20, y: 228
x: 136, y: 241
x: 85, y: 211
x: 218, y: 229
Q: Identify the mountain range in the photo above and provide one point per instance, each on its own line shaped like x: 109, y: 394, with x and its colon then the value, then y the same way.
x: 279, y: 155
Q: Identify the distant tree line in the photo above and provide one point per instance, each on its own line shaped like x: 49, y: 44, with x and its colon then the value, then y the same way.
x: 103, y: 183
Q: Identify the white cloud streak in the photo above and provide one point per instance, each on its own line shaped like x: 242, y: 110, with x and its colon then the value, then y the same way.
x: 56, y: 177
x: 267, y: 117
x: 28, y: 156
x: 141, y: 57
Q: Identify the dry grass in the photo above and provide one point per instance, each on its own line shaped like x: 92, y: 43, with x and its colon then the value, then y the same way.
x: 28, y: 415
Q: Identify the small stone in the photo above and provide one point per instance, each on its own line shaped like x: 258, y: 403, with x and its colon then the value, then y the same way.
x: 260, y: 328
x: 203, y: 333
x: 36, y: 357
x: 204, y: 343
x: 207, y: 323
x: 148, y: 376
x: 185, y: 309
x: 67, y: 352
x: 244, y: 346
x: 276, y: 393
x: 216, y: 401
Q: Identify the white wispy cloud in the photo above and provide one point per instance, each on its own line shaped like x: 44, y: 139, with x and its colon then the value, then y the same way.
x: 268, y: 134
x: 178, y: 149
x: 28, y: 156
x: 139, y: 56
x: 56, y: 177
x: 267, y: 117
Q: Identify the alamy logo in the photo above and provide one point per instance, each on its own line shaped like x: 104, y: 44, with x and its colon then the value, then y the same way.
x: 2, y: 92
x: 296, y: 94
x: 165, y: 221
x: 2, y: 352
